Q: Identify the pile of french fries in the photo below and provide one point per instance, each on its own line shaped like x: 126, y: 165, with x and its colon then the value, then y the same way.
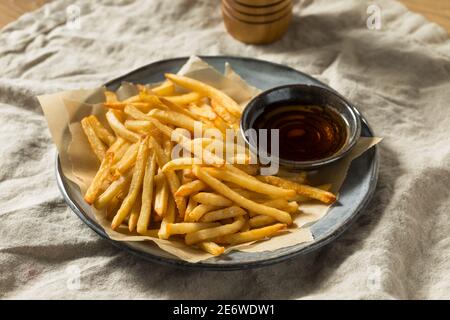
x: 209, y: 204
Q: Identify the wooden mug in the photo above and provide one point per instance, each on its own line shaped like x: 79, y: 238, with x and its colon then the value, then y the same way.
x: 257, y: 27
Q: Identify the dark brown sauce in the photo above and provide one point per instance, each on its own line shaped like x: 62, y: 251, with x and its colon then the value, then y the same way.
x: 306, y: 132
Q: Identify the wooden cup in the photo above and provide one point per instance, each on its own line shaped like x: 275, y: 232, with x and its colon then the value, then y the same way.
x: 259, y: 18
x: 254, y: 32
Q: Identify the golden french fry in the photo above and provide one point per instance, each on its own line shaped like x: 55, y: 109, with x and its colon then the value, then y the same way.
x: 174, y: 118
x: 260, y: 220
x: 211, y: 233
x: 147, y: 195
x: 120, y: 152
x: 292, y: 207
x: 120, y: 129
x: 221, y: 214
x: 172, y: 179
x: 101, y: 132
x: 224, y: 114
x: 161, y: 195
x: 96, y: 144
x: 192, y: 204
x: 190, y: 188
x: 206, y: 90
x: 203, y: 111
x: 164, y: 89
x: 246, y: 225
x: 250, y: 205
x: 112, y: 207
x: 110, y: 96
x: 199, y: 211
x: 128, y: 159
x: 184, y: 98
x: 249, y: 182
x: 135, y: 186
x: 120, y: 185
x: 301, y: 198
x: 117, y: 145
x: 96, y: 184
x: 212, y: 199
x: 301, y: 189
x: 211, y: 247
x: 142, y: 127
x: 252, y: 235
x: 188, y: 227
x: 134, y: 215
x: 179, y: 164
x: 168, y: 218
x: 175, y: 107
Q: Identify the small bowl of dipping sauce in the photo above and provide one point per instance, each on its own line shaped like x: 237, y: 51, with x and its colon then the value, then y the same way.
x: 315, y: 126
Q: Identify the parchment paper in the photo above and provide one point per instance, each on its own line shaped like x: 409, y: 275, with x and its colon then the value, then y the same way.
x: 79, y: 164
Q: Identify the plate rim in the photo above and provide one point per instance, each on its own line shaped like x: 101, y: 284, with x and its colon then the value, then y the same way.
x: 175, y: 262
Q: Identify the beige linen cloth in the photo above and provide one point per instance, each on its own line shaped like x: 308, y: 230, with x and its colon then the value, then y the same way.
x: 399, y: 76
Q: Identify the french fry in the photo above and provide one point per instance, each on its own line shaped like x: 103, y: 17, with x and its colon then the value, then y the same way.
x: 164, y: 89
x: 192, y: 204
x: 135, y: 186
x: 144, y: 127
x: 250, y: 205
x: 252, y: 235
x: 206, y: 90
x: 224, y: 114
x: 301, y: 189
x: 301, y: 198
x: 221, y: 214
x: 147, y: 195
x: 120, y: 129
x: 174, y: 118
x: 204, y: 111
x: 248, y: 182
x: 120, y: 185
x: 119, y: 153
x: 215, y: 232
x: 190, y: 188
x: 199, y: 211
x: 172, y: 179
x: 260, y: 220
x: 128, y: 159
x: 134, y: 215
x: 161, y: 195
x: 117, y: 145
x: 96, y: 144
x: 188, y: 227
x: 176, y: 108
x: 212, y: 199
x: 184, y: 98
x: 179, y: 164
x: 168, y: 218
x: 96, y: 184
x: 211, y: 247
x: 101, y: 132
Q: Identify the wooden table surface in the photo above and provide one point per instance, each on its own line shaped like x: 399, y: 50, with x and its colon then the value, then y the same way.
x: 435, y: 10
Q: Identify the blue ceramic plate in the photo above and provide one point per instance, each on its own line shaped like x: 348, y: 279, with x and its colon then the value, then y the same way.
x: 354, y: 194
